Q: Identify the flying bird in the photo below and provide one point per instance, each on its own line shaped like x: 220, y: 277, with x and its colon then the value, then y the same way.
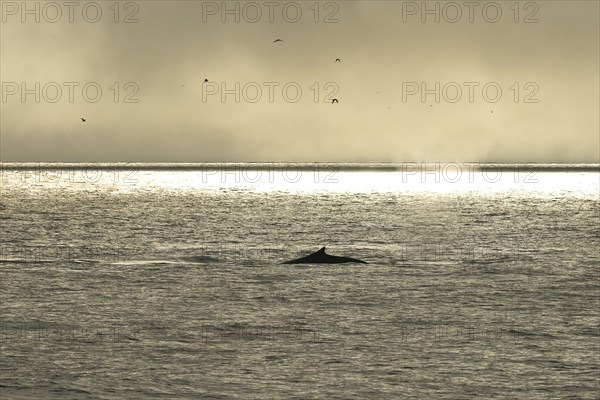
x: 338, y: 60
x: 334, y: 101
x: 277, y: 40
x: 82, y: 119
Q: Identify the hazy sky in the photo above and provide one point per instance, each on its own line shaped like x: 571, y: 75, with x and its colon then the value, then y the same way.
x: 547, y: 72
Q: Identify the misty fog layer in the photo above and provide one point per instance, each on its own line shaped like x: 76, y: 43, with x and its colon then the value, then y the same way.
x: 475, y: 86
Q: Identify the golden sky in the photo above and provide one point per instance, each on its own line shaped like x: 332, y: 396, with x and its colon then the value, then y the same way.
x: 485, y: 82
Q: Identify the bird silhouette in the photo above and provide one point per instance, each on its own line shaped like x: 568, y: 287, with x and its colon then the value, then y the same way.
x: 338, y: 60
x: 205, y: 80
x: 334, y: 101
x: 277, y: 40
x: 82, y: 119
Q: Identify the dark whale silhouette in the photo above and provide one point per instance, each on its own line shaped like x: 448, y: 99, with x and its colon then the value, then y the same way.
x: 321, y: 258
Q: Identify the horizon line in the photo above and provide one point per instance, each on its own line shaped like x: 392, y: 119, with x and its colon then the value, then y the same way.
x: 275, y: 165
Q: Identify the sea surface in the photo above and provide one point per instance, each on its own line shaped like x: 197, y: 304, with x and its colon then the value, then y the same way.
x: 130, y: 281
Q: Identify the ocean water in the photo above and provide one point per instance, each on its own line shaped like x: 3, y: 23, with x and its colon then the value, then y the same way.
x: 154, y: 282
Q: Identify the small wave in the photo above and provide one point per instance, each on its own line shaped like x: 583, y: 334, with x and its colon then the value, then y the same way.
x: 487, y: 261
x: 200, y: 259
x: 24, y: 261
x: 145, y: 262
x: 495, y: 214
x: 71, y: 389
x: 192, y: 259
x: 524, y: 333
x: 86, y: 261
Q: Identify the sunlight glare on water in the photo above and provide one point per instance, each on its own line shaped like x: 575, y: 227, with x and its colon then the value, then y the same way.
x: 444, y: 179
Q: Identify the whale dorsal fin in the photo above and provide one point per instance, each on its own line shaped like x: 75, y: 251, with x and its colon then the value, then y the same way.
x: 321, y: 251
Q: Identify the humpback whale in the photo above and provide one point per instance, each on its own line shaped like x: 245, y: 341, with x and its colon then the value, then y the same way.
x: 320, y: 257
